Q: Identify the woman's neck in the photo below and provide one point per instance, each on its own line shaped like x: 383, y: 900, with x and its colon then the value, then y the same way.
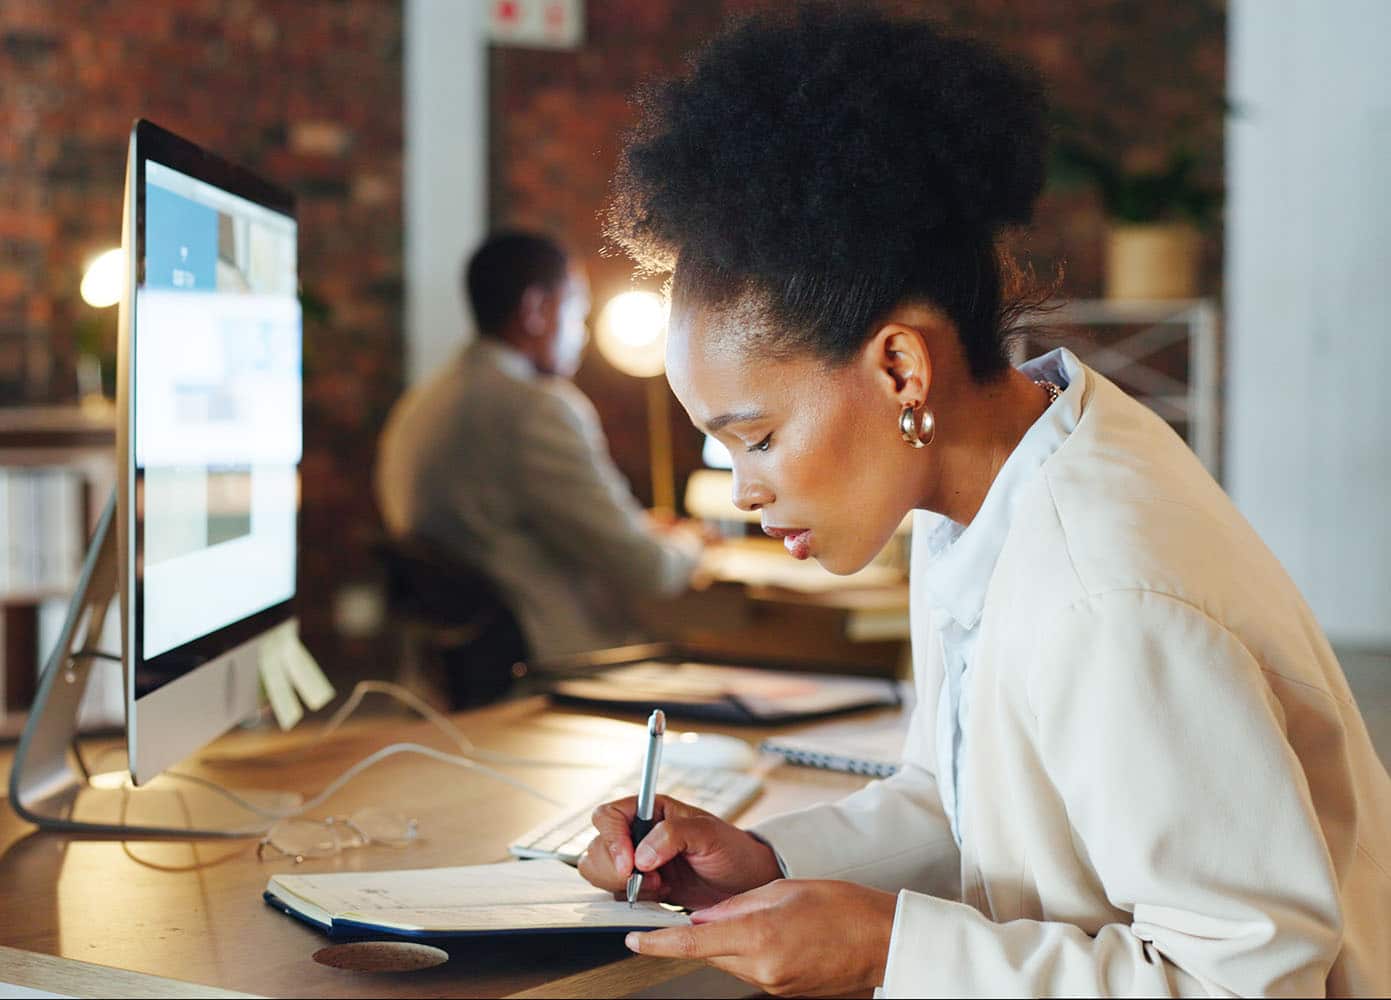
x: 978, y: 432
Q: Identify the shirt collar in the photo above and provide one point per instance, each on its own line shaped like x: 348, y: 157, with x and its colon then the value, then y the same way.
x: 961, y: 559
x: 504, y: 356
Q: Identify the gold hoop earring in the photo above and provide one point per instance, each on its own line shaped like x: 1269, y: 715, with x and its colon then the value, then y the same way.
x: 917, y: 432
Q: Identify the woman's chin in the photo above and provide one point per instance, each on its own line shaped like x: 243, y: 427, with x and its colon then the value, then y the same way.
x: 840, y: 564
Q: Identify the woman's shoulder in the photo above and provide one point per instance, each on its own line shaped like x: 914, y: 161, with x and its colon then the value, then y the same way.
x: 1124, y: 504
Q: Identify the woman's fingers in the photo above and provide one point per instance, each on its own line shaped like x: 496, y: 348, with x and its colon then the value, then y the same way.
x: 697, y: 941
x: 731, y: 908
x: 608, y: 861
x: 678, y: 835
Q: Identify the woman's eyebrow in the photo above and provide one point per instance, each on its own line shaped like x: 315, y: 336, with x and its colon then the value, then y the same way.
x: 737, y: 417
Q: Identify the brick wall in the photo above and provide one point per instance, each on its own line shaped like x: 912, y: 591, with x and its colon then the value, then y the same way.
x: 307, y: 92
x: 1136, y: 73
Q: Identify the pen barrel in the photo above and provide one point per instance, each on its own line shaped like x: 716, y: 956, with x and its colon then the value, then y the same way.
x: 647, y: 790
x: 640, y: 828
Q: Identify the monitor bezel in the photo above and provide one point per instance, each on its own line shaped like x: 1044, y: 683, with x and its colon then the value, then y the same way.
x: 151, y: 142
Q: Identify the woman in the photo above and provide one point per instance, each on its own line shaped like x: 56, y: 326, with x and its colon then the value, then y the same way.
x: 1135, y: 766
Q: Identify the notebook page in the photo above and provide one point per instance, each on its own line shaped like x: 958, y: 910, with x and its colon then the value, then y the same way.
x: 607, y: 912
x: 509, y: 895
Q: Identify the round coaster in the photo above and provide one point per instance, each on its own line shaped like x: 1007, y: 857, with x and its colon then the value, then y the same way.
x: 381, y: 956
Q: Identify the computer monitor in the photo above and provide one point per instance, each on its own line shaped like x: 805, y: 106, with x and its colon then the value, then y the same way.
x: 209, y: 437
x: 199, y: 540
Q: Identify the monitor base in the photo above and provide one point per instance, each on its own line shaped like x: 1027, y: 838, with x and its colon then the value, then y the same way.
x: 49, y: 784
x: 166, y: 808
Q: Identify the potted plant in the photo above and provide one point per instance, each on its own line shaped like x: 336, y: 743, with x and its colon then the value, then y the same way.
x: 1155, y: 202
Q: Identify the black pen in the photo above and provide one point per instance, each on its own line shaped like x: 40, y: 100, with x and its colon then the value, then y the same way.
x: 647, y: 794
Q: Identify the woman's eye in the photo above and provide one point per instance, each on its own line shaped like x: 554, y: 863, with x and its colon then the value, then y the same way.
x: 762, y: 445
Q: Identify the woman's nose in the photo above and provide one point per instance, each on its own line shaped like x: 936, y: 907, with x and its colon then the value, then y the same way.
x: 750, y: 496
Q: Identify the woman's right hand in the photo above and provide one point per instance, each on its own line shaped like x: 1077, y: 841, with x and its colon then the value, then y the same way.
x: 691, y: 857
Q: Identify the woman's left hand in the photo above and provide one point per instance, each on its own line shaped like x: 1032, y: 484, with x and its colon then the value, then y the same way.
x: 794, y: 936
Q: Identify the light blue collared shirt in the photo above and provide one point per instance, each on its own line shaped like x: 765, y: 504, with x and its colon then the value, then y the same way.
x: 956, y: 563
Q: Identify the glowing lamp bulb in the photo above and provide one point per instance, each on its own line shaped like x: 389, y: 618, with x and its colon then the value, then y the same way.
x: 101, y: 285
x: 632, y: 333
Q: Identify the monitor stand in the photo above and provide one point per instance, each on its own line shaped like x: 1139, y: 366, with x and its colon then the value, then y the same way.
x: 45, y: 786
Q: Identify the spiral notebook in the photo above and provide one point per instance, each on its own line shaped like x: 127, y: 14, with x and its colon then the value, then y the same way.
x: 870, y: 747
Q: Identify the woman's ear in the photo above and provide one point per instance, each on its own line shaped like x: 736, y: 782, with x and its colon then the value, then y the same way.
x: 901, y: 362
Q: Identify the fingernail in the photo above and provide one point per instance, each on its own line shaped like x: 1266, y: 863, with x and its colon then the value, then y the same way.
x: 631, y: 941
x: 645, y: 856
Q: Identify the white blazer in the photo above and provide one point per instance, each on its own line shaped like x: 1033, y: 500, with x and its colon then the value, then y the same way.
x: 1172, y: 789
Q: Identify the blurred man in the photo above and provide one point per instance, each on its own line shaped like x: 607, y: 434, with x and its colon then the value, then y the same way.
x: 500, y: 460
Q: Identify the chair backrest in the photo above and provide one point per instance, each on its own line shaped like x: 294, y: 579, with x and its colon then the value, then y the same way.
x: 469, y: 634
x: 425, y: 583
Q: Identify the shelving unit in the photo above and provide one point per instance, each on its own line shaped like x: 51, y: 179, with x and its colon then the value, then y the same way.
x: 75, y: 448
x: 1164, y: 353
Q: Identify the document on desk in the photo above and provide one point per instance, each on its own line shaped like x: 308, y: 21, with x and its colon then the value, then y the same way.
x: 773, y: 568
x: 513, y: 897
x: 723, y: 693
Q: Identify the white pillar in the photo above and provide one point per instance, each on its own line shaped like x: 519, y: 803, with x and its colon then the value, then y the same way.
x: 1308, y: 442
x: 445, y: 171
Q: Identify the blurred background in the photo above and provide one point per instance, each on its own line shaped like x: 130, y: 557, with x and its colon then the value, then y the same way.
x: 1218, y: 206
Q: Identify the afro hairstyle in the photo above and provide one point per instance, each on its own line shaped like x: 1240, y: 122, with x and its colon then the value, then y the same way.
x: 830, y: 162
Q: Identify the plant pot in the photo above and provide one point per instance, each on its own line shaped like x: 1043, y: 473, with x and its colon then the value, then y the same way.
x: 1152, y: 261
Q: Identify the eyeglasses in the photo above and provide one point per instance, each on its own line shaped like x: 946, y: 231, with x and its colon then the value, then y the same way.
x: 322, y: 838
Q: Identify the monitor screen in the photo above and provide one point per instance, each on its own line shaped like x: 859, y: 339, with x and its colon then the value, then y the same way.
x: 715, y: 455
x: 216, y: 429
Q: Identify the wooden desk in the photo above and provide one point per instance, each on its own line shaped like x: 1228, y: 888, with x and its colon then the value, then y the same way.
x: 760, y: 602
x: 193, y: 912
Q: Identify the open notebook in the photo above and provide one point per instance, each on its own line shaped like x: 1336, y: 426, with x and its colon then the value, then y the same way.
x: 513, y: 897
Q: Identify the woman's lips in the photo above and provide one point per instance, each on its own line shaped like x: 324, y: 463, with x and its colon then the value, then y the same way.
x: 797, y: 541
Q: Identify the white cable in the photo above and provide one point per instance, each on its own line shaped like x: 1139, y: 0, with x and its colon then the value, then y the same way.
x: 358, y: 768
x: 408, y: 697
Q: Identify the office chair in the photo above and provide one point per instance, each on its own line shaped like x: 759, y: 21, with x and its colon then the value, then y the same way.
x: 460, y: 634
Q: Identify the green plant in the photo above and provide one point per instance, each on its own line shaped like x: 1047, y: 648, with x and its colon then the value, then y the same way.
x: 1171, y: 190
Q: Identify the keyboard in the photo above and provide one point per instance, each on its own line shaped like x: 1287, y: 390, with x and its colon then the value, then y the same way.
x: 724, y: 793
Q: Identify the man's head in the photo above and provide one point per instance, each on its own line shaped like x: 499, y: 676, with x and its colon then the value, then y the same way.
x: 525, y: 291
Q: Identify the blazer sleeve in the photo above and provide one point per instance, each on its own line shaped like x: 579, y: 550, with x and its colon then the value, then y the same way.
x: 890, y: 834
x: 1167, y: 747
x: 573, y: 496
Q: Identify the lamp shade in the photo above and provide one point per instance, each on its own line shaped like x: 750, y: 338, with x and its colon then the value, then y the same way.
x: 631, y: 333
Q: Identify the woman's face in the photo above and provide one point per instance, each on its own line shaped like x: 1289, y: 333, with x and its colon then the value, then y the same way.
x: 816, y: 449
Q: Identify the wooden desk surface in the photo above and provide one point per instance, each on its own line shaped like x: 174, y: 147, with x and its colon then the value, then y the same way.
x: 193, y: 911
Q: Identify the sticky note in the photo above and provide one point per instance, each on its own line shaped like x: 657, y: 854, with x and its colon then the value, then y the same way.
x: 309, y: 680
x: 276, y: 681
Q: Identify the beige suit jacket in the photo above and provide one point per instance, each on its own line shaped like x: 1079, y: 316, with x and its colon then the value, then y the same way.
x: 509, y: 471
x: 1171, y: 789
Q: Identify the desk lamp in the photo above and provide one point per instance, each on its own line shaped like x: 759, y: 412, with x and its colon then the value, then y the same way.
x: 104, y: 278
x: 631, y: 334
x: 102, y: 282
